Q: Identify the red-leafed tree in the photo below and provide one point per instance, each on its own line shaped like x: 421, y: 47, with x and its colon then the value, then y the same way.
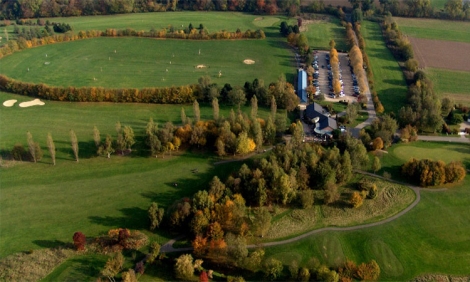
x: 79, y: 240
x: 203, y: 277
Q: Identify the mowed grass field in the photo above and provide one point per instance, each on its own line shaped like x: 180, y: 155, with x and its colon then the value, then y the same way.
x: 388, y: 77
x: 43, y: 205
x: 320, y: 32
x: 435, y: 29
x: 140, y: 62
x: 143, y: 62
x: 431, y: 238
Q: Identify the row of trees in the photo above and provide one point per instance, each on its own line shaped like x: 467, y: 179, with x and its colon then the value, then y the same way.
x: 424, y: 110
x: 427, y: 172
x: 34, y: 152
x: 396, y: 41
x: 14, y: 9
x: 379, y: 108
x: 334, y: 63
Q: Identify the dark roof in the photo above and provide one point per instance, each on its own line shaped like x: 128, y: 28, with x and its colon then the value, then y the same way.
x: 316, y: 111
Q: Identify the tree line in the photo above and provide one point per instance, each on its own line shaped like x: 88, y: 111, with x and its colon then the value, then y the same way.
x: 15, y: 9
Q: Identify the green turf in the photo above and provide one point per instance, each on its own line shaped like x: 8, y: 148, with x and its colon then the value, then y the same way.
x: 143, y: 62
x: 451, y: 152
x: 431, y: 238
x: 388, y: 77
x: 43, y: 205
x: 320, y: 33
x: 80, y: 268
x: 435, y: 29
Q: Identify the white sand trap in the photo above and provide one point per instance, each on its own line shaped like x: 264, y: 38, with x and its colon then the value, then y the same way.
x: 35, y: 102
x: 248, y: 62
x: 9, y: 103
x: 201, y: 66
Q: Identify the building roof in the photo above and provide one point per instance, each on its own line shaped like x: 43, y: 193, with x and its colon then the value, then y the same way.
x: 316, y: 114
x: 302, y: 85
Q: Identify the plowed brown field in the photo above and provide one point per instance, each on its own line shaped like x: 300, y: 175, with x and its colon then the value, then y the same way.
x: 442, y: 54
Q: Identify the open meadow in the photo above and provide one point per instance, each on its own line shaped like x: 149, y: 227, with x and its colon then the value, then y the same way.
x: 431, y: 238
x: 389, y: 81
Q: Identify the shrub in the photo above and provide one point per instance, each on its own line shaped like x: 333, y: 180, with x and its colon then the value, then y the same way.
x: 18, y: 153
x: 79, y: 241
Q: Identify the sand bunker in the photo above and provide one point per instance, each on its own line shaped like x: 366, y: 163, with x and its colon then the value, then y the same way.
x: 35, y: 102
x: 201, y: 66
x: 9, y: 103
x: 248, y: 62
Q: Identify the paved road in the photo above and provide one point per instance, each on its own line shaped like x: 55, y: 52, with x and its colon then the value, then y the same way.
x: 444, y: 139
x: 168, y: 247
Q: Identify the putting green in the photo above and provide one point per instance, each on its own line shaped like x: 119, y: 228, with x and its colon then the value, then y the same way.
x: 331, y: 250
x: 385, y: 257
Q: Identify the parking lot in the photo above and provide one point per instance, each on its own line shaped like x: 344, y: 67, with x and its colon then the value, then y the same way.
x: 322, y: 77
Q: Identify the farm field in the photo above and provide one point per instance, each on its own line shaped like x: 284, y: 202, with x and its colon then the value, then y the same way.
x: 435, y: 29
x: 437, y: 54
x: 95, y: 194
x: 320, y: 32
x: 144, y: 62
x: 431, y: 238
x: 453, y: 84
x: 388, y: 77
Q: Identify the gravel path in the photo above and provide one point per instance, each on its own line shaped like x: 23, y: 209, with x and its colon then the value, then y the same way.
x: 168, y: 247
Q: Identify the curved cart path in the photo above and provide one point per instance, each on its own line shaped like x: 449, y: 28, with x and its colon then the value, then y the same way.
x: 168, y: 247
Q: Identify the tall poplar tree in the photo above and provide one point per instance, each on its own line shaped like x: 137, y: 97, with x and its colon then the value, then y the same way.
x: 31, y: 145
x: 51, y: 147
x: 215, y: 108
x: 74, y: 143
x: 197, y: 111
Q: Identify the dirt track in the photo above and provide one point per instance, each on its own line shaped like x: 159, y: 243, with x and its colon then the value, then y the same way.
x: 441, y: 54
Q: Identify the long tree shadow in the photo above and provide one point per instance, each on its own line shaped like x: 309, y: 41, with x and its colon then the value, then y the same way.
x: 133, y: 218
x: 52, y: 244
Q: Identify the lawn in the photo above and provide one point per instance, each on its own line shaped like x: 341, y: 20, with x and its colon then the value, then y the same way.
x: 321, y: 32
x: 435, y: 29
x: 454, y: 84
x: 43, y: 205
x: 389, y: 81
x: 144, y: 62
x: 431, y: 238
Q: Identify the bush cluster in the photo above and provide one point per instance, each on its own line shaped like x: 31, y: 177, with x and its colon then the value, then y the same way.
x: 427, y: 172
